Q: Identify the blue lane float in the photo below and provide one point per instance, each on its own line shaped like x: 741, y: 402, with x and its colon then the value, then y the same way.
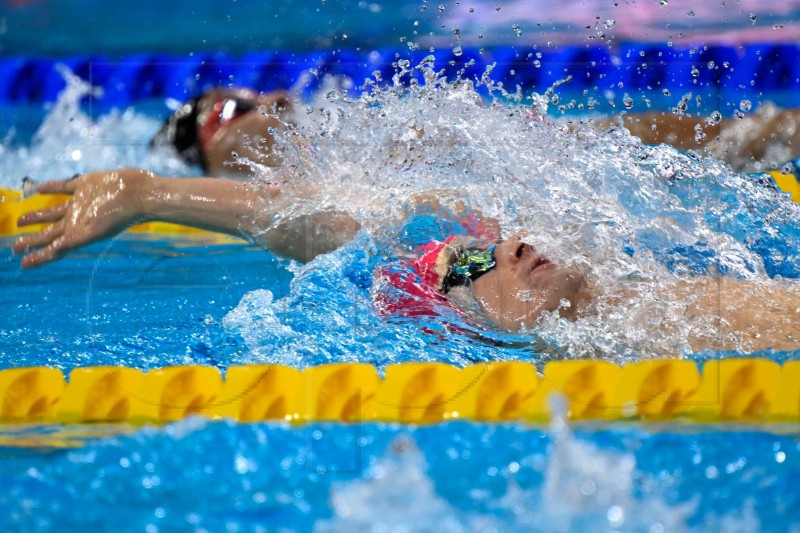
x: 718, y: 70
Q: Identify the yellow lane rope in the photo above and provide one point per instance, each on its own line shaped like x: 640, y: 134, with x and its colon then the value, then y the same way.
x: 741, y: 390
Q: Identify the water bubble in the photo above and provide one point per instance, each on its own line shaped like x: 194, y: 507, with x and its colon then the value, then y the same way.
x: 616, y: 516
x: 517, y: 30
x: 753, y: 18
x: 695, y: 72
x: 663, y: 2
x: 711, y: 65
x: 745, y: 105
x: 457, y: 51
x: 610, y: 23
x: 777, y: 26
x: 537, y: 63
x: 690, y: 13
x: 472, y: 10
x: 441, y: 8
x: 665, y: 92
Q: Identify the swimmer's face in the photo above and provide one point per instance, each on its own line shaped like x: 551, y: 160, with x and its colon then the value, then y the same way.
x: 524, y: 284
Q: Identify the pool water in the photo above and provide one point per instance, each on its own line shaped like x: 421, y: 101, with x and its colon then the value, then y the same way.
x: 213, y: 476
x: 622, y: 211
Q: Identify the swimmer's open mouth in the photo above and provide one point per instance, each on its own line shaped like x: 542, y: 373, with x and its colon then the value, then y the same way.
x: 540, y: 261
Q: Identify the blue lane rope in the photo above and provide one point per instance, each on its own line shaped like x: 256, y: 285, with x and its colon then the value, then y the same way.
x: 712, y: 70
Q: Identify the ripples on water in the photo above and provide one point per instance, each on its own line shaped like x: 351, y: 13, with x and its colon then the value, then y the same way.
x: 625, y: 213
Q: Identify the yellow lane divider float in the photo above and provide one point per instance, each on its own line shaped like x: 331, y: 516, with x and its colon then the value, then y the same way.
x: 744, y: 390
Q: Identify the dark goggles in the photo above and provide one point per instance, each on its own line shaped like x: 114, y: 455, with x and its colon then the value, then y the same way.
x: 470, y: 264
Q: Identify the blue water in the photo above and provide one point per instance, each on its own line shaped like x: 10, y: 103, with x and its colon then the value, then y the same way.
x: 450, y: 477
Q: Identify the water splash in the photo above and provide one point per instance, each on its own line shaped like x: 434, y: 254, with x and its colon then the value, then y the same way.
x: 633, y: 217
x: 71, y: 140
x: 584, y: 487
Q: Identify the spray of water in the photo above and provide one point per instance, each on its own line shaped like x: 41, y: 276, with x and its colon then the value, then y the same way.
x: 634, y: 218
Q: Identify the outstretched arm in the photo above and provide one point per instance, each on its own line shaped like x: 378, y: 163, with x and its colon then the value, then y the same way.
x: 103, y: 204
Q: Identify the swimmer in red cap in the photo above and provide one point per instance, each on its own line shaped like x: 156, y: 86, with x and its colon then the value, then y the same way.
x: 209, y: 129
x: 510, y: 280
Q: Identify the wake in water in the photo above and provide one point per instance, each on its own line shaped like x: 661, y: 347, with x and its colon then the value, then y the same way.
x: 631, y: 217
x: 582, y: 488
x: 71, y: 141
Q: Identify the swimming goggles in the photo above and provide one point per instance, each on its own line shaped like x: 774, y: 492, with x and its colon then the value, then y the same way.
x: 469, y: 265
x: 190, y: 128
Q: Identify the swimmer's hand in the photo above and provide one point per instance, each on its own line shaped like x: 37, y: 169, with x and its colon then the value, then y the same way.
x: 102, y: 204
x: 105, y: 203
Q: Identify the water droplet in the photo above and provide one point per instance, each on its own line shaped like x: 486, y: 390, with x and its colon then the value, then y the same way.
x: 416, y: 23
x: 610, y: 23
x: 472, y: 10
x: 690, y: 13
x: 665, y: 92
x: 663, y: 2
x: 711, y: 65
x: 753, y: 18
x: 699, y: 134
x: 777, y: 26
x: 517, y: 30
x: 537, y: 63
x: 714, y: 118
x: 457, y: 51
x: 628, y: 101
x: 745, y: 105
x: 695, y: 72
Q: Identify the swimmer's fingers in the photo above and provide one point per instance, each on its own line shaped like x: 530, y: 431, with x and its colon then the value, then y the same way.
x: 67, y: 186
x: 52, y: 252
x: 50, y: 214
x: 39, y: 239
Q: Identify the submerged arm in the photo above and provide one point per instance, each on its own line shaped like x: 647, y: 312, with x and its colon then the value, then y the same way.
x: 105, y: 203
